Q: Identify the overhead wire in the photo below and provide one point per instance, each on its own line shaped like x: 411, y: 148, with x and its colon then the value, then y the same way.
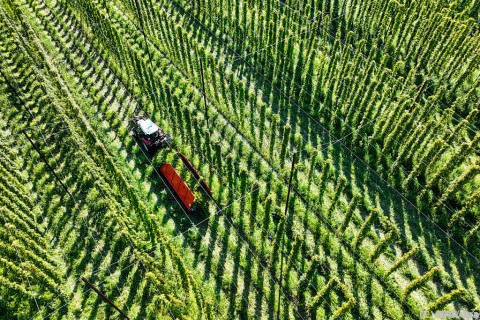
x: 347, y: 148
x: 398, y: 102
x: 155, y: 169
x: 20, y: 258
x: 73, y: 198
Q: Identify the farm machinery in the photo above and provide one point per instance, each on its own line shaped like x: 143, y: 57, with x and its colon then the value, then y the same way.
x: 149, y: 134
x: 152, y: 138
x: 200, y: 189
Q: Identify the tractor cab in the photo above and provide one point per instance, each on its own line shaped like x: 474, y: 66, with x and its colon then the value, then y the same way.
x: 150, y: 135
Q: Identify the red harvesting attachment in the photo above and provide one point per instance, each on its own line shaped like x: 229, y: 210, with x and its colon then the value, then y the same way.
x: 178, y: 185
x: 195, y: 173
x: 189, y: 166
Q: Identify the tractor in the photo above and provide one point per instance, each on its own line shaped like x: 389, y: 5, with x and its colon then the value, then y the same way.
x: 149, y: 134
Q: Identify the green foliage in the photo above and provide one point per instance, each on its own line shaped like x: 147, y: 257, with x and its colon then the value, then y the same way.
x: 421, y: 281
x: 267, y: 214
x: 292, y: 256
x: 460, y: 214
x: 373, y: 215
x: 285, y: 142
x: 345, y: 308
x: 441, y: 302
x: 278, y: 238
x: 273, y: 133
x: 383, y: 245
x: 320, y: 296
x: 307, y: 276
x: 313, y: 162
x: 338, y: 191
x: 262, y: 121
x: 349, y: 214
x: 472, y: 233
x: 323, y: 179
x: 456, y: 185
x: 402, y: 261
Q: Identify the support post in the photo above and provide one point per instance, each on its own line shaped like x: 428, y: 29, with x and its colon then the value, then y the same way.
x: 204, y: 94
x: 30, y: 140
x: 11, y: 87
x: 283, y: 236
x: 48, y: 165
x: 419, y: 93
x: 319, y: 24
x: 104, y: 297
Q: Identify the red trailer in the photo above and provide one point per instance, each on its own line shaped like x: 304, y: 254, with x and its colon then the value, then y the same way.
x: 178, y: 185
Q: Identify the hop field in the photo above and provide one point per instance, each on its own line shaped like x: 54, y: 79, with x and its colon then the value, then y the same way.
x: 335, y: 148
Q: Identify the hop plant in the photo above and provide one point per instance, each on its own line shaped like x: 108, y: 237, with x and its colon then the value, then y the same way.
x: 273, y: 134
x: 297, y: 245
x: 318, y: 299
x: 383, y: 245
x: 441, y: 302
x: 285, y: 140
x: 323, y: 179
x: 417, y: 283
x: 267, y: 213
x: 351, y: 209
x: 374, y: 213
x: 307, y: 276
x: 278, y: 239
x: 313, y: 163
x: 338, y: 191
x: 403, y: 260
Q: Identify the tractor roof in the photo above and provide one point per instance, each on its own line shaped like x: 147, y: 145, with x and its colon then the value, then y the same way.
x: 147, y: 126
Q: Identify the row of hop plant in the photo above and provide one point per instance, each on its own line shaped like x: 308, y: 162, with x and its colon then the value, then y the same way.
x: 39, y: 272
x: 341, y: 311
x: 450, y: 135
x: 399, y: 132
x: 109, y: 162
x: 380, y: 247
